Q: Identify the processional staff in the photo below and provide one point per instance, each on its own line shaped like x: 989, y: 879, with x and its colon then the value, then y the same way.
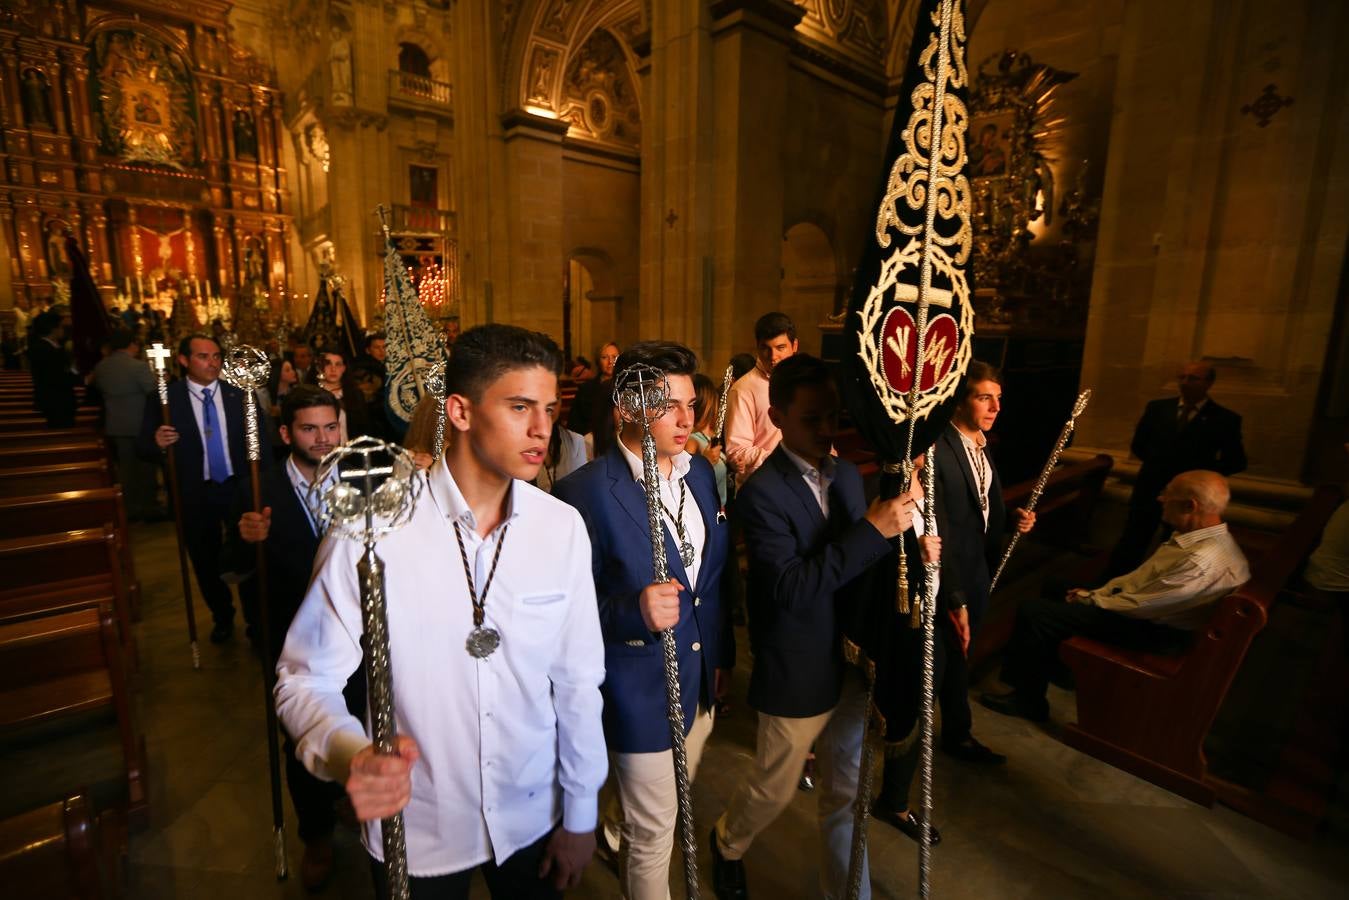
x: 722, y: 401
x: 641, y: 394
x: 925, y: 203
x: 352, y: 504
x: 247, y: 368
x: 1078, y: 408
x: 157, y: 354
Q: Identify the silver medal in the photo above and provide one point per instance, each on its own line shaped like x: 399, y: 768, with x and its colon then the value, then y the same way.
x: 482, y: 642
x: 686, y: 553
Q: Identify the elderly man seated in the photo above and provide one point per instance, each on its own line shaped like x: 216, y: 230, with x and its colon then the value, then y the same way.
x: 1155, y: 607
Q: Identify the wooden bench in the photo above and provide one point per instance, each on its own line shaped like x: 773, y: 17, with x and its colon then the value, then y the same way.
x: 57, y: 666
x: 74, y: 511
x: 29, y: 480
x: 1069, y: 496
x: 1149, y: 714
x: 53, y: 852
x: 13, y: 440
x: 85, y: 419
x: 49, y: 570
x: 52, y: 454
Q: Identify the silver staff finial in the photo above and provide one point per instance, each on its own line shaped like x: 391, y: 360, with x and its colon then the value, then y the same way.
x: 641, y: 393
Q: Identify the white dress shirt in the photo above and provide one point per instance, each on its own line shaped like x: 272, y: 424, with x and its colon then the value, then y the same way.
x: 979, y: 463
x: 195, y: 394
x: 1178, y: 583
x: 920, y: 529
x: 301, y: 486
x: 694, y: 529
x: 816, y: 478
x: 509, y: 744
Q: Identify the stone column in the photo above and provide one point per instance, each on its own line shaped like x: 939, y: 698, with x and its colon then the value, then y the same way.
x: 533, y: 165
x: 1224, y: 218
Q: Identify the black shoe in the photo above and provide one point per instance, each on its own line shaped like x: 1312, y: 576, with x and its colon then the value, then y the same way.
x: 971, y: 751
x: 728, y: 875
x: 1013, y: 704
x: 908, y: 825
x: 222, y: 632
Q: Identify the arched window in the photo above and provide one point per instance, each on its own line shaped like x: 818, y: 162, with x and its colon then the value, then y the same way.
x: 413, y: 60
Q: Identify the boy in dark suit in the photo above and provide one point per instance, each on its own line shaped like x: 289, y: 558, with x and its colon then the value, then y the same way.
x: 973, y: 518
x: 810, y: 536
x: 1175, y: 435
x: 609, y: 494
x: 309, y: 428
x: 207, y: 427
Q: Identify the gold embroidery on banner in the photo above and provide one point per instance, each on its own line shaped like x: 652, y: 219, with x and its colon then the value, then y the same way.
x: 952, y: 236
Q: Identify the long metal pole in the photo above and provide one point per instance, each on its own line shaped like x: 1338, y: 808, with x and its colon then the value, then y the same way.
x: 1040, y: 482
x: 862, y: 806
x: 674, y: 704
x: 157, y: 355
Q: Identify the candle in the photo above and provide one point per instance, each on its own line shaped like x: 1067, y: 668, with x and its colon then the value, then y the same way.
x: 128, y: 285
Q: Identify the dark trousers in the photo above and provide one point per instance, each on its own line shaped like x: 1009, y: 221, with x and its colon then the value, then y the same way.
x: 1043, y: 624
x: 137, y: 478
x: 515, y: 879
x: 953, y: 685
x: 902, y: 736
x: 204, y: 527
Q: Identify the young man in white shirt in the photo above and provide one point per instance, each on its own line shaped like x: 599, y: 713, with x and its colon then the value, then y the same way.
x: 1156, y: 607
x: 750, y: 433
x: 634, y: 609
x: 500, y: 751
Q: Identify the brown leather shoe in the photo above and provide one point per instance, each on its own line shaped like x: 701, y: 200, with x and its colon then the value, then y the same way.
x: 316, y: 866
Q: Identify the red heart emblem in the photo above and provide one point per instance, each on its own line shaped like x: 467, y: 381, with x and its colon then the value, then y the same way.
x: 899, y: 349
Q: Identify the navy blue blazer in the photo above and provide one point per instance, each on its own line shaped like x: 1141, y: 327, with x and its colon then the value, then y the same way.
x: 190, y: 450
x: 1211, y: 440
x: 613, y: 505
x: 804, y: 580
x: 968, y: 549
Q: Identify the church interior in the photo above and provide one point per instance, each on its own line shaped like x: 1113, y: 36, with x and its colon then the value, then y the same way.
x: 1155, y: 186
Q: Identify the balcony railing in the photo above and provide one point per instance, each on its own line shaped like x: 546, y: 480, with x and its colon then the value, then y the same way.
x: 418, y: 87
x: 421, y: 220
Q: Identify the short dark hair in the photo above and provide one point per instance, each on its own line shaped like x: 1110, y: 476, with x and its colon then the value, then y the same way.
x: 801, y: 370
x: 977, y: 372
x: 185, y: 345
x: 669, y: 357
x: 306, y: 396
x: 741, y: 364
x: 371, y: 338
x: 121, y: 339
x: 45, y: 323
x: 484, y: 353
x: 770, y: 325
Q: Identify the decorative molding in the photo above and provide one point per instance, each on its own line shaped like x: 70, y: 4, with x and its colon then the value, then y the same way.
x: 599, y: 97
x: 1266, y: 106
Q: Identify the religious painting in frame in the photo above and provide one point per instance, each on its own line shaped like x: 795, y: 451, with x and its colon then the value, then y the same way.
x: 144, y: 99
x: 990, y: 147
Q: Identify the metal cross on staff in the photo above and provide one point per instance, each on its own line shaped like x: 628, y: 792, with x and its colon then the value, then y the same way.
x: 247, y: 369
x: 373, y: 496
x: 159, y: 355
x: 641, y: 394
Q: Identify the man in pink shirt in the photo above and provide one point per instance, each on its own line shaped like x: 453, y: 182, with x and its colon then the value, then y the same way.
x: 750, y: 435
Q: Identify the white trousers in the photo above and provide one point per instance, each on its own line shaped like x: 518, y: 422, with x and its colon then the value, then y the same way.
x: 646, y: 788
x: 779, y: 753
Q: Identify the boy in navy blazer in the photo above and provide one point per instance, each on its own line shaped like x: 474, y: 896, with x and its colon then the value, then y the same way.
x: 609, y: 494
x: 810, y: 538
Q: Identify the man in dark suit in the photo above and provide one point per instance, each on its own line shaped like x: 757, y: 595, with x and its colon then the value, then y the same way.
x: 207, y: 428
x: 971, y: 512
x: 810, y: 537
x: 1176, y: 435
x: 309, y: 428
x: 54, y: 379
x: 634, y: 609
x: 124, y: 381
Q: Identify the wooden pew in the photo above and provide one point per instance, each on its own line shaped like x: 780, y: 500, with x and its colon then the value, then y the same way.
x: 52, y: 454
x: 1149, y: 714
x: 85, y: 419
x: 73, y: 511
x: 29, y: 480
x: 14, y: 440
x: 53, y: 852
x: 48, y: 570
x: 1070, y: 494
x: 62, y: 665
